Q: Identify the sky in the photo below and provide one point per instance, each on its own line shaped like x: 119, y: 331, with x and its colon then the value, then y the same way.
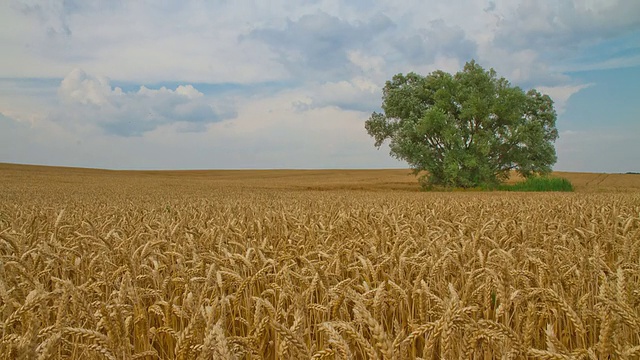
x: 289, y: 84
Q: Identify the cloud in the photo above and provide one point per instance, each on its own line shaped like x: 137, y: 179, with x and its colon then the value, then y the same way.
x: 536, y: 43
x: 490, y: 7
x: 190, y: 41
x: 522, y: 67
x: 28, y: 100
x: 268, y: 84
x: 561, y: 27
x: 78, y: 87
x: 368, y: 64
x: 39, y: 143
x: 194, y: 41
x: 272, y: 132
x: 268, y: 132
x: 324, y: 47
x: 438, y: 39
x: 615, y: 62
x: 92, y: 99
x: 52, y: 15
x: 357, y: 94
x: 561, y: 94
x: 318, y: 45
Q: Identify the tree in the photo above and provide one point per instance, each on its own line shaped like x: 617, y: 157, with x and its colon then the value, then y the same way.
x: 466, y: 130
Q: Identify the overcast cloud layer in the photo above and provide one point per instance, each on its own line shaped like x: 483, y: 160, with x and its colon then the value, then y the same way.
x: 220, y: 84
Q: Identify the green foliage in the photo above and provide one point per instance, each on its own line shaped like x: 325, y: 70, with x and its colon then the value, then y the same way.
x: 539, y: 183
x: 465, y: 130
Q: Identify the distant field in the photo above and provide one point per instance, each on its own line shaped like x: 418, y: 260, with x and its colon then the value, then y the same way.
x: 371, y: 180
x: 318, y: 264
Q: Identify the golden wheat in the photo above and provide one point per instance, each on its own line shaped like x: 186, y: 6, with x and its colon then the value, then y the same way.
x: 137, y: 267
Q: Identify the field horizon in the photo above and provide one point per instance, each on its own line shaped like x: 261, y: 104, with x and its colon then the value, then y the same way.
x: 392, y: 179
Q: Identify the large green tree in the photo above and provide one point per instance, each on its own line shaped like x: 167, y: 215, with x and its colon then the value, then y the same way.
x: 465, y: 130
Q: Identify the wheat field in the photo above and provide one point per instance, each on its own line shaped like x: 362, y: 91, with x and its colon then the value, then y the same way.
x: 312, y: 265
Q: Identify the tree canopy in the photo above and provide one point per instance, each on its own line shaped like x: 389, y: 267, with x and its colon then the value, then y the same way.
x: 468, y: 129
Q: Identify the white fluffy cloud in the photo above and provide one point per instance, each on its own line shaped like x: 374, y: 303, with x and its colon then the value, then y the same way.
x: 358, y: 94
x: 92, y: 99
x: 78, y: 87
x: 561, y: 94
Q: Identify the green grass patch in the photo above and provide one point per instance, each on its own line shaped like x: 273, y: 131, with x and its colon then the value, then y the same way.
x: 538, y: 183
x: 541, y: 183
